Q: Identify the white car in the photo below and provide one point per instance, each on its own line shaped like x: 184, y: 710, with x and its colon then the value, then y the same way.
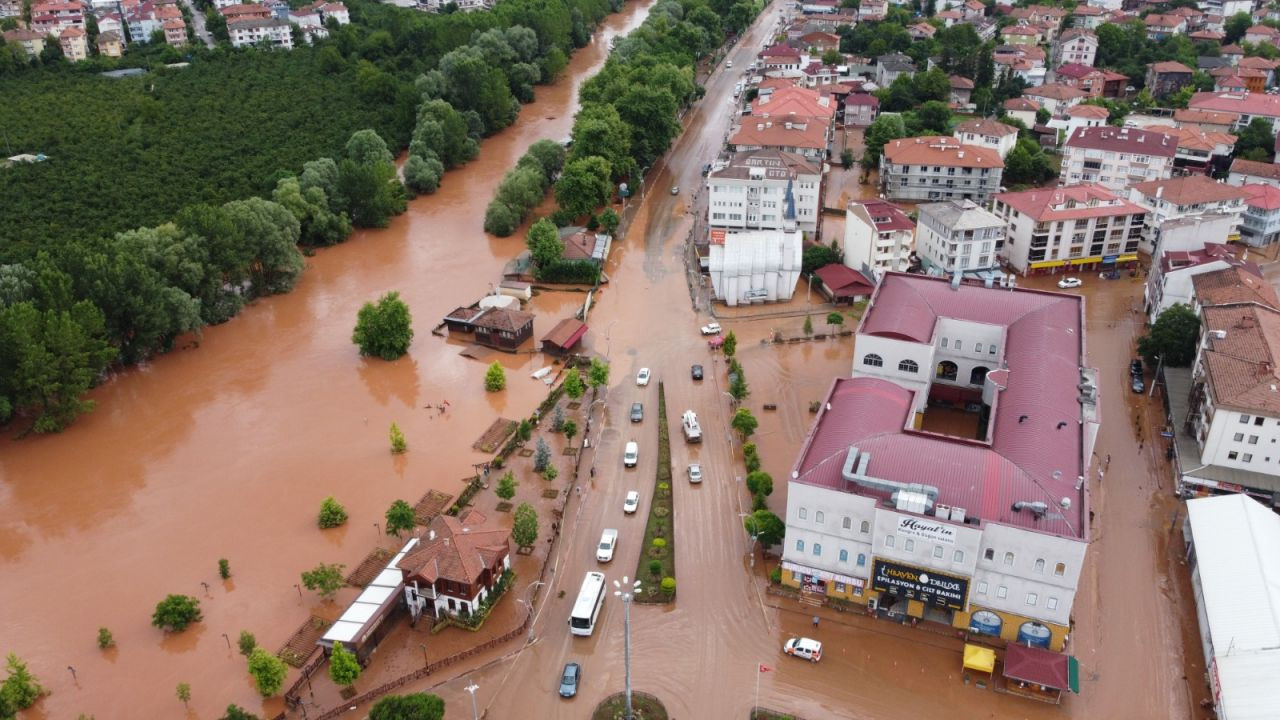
x: 632, y: 502
x: 1065, y: 283
x: 642, y: 377
x: 608, y: 543
x: 695, y: 473
x: 631, y: 454
x: 806, y: 648
x: 711, y: 329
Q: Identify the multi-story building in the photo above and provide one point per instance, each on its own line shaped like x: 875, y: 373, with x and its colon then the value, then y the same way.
x: 939, y: 168
x: 1252, y: 172
x: 988, y: 133
x: 1261, y: 224
x: 1168, y: 77
x: 892, y: 66
x: 1117, y: 157
x: 31, y: 42
x: 1071, y: 228
x: 754, y: 266
x: 1057, y: 98
x: 51, y: 18
x: 175, y: 32
x: 1093, y: 82
x: 1087, y: 16
x: 892, y: 506
x: 755, y: 190
x: 1185, y: 213
x: 74, y: 43
x: 958, y: 236
x: 110, y: 44
x: 1171, y: 280
x: 256, y: 31
x: 1022, y: 109
x: 1246, y: 106
x: 878, y: 237
x: 805, y: 136
x: 1206, y: 120
x: 860, y: 109
x: 1076, y: 45
x: 873, y: 10
x: 1199, y: 151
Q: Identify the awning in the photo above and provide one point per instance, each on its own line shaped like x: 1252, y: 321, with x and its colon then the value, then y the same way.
x: 1048, y: 264
x: 979, y: 658
x: 1039, y: 667
x: 824, y: 574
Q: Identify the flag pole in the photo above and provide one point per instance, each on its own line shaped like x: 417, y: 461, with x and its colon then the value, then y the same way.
x: 757, y: 704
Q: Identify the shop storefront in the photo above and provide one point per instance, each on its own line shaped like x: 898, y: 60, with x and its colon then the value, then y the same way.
x: 1101, y: 263
x: 906, y: 592
x: 822, y: 582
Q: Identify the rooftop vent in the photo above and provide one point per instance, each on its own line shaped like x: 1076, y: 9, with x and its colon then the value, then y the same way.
x: 1037, y: 508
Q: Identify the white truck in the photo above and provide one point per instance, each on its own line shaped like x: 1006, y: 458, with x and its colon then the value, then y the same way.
x: 692, y: 430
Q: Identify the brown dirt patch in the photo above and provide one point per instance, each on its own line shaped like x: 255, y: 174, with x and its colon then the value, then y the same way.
x: 550, y: 494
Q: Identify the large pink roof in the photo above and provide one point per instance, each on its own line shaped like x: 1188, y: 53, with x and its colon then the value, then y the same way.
x: 1069, y: 202
x: 1036, y: 448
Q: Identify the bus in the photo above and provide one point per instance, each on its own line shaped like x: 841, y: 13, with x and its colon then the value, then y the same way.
x: 587, y: 607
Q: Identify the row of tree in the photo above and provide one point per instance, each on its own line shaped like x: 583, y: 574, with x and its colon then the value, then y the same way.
x: 523, y: 187
x: 69, y: 312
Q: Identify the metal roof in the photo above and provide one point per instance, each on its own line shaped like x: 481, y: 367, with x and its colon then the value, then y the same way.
x: 1235, y: 540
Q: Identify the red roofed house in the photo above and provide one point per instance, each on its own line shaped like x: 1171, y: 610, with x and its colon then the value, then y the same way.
x: 1252, y: 172
x: 961, y: 90
x: 246, y: 11
x: 1166, y: 78
x: 1116, y: 157
x: 1261, y: 224
x: 939, y: 168
x: 175, y: 32
x: 1247, y: 106
x: 1039, y: 674
x: 1081, y: 116
x: 1206, y: 120
x: 1160, y: 27
x: 74, y: 43
x: 899, y: 450
x: 1186, y: 213
x: 844, y: 285
x: 878, y: 237
x: 564, y: 336
x: 873, y: 10
x: 1044, y: 223
x: 1057, y: 98
x: 1076, y: 45
x: 1262, y: 34
x: 110, y: 44
x: 1200, y: 151
x: 31, y: 42
x: 921, y: 31
x: 802, y: 135
x: 988, y: 133
x: 820, y: 41
x: 455, y: 565
x: 780, y: 57
x: 860, y: 109
x: 1171, y: 280
x: 1094, y: 82
x: 1022, y: 109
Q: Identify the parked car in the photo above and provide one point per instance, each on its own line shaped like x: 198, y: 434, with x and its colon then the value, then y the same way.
x: 1137, y: 384
x: 569, y: 680
x: 1070, y: 282
x: 608, y: 542
x: 632, y: 502
x: 1135, y: 366
x: 675, y: 189
x: 728, y: 63
x: 642, y: 377
x: 695, y: 473
x: 631, y: 454
x: 711, y: 329
x: 696, y: 371
x: 805, y: 648
x: 706, y: 169
x: 637, y: 412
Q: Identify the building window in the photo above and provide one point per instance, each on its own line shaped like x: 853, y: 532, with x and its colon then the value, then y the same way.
x: 818, y: 517
x: 1039, y: 565
x: 1060, y: 569
x: 910, y: 545
x: 1237, y: 437
x: 944, y: 343
x: 844, y: 556
x: 866, y: 527
x: 888, y: 540
x: 804, y: 514
x: 817, y: 549
x: 978, y: 375
x: 1244, y: 419
x: 957, y: 556
x: 1002, y: 592
x: 1051, y: 603
x: 947, y: 370
x: 991, y: 350
x: 847, y: 523
x: 908, y: 366
x: 1247, y: 457
x: 1032, y: 598
x: 937, y: 551
x: 1258, y: 420
x: 1008, y: 558
x: 1253, y: 439
x: 982, y: 588
x: 1233, y: 455
x: 873, y: 360
x: 990, y: 554
x: 799, y: 546
x: 862, y: 559
x: 978, y: 347
x: 840, y: 587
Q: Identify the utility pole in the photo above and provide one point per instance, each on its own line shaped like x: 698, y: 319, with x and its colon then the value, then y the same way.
x: 625, y: 591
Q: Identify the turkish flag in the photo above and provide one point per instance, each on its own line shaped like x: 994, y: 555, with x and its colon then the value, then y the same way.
x: 765, y: 668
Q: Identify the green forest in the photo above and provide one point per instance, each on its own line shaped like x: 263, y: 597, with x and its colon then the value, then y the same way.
x: 170, y: 199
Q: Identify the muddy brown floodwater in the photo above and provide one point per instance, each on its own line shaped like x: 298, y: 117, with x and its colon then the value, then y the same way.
x: 226, y: 451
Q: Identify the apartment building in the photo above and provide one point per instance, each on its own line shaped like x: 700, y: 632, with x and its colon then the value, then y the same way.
x: 1071, y: 228
x: 1171, y: 280
x: 1246, y: 106
x: 988, y: 133
x: 1076, y: 45
x: 1260, y: 226
x: 765, y: 190
x: 958, y: 236
x: 939, y: 168
x: 1185, y: 213
x: 259, y: 31
x: 878, y: 236
x: 1116, y: 157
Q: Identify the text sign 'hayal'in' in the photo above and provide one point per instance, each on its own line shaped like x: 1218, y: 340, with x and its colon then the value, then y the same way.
x: 915, y: 583
x: 927, y: 530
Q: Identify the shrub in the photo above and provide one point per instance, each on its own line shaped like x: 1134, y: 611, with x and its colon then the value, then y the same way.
x: 579, y: 272
x: 344, y: 669
x: 775, y: 576
x: 268, y: 671
x: 500, y: 219
x: 176, y: 612
x: 495, y: 378
x: 384, y: 330
x: 659, y: 543
x: 758, y: 502
x: 759, y: 483
x: 224, y: 569
x: 398, y: 444
x: 105, y: 639
x: 752, y: 462
x: 550, y: 473
x: 247, y: 643
x: 332, y: 514
x: 655, y: 567
x: 668, y: 585
x: 506, y: 486
x: 524, y: 530
x: 325, y: 579
x: 400, y: 518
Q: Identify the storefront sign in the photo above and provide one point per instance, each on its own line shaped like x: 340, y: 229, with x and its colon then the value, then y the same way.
x: 821, y: 575
x: 1109, y: 259
x: 927, y: 530
x: 935, y: 588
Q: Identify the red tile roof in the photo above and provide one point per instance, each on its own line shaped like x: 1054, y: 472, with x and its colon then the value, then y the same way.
x: 1036, y: 666
x: 1056, y: 91
x: 1069, y: 202
x: 457, y: 550
x: 1035, y: 452
x: 1241, y: 367
x: 1242, y: 103
x: 1253, y: 168
x: 986, y: 126
x: 503, y: 319
x: 885, y: 215
x: 961, y: 83
x: 942, y: 151
x: 804, y: 133
x: 1125, y: 140
x: 1241, y: 283
x: 1019, y: 103
x: 1207, y: 117
x: 780, y: 51
x: 1170, y: 66
x: 1088, y: 111
x: 566, y: 332
x: 1262, y: 196
x: 1190, y: 190
x: 844, y: 281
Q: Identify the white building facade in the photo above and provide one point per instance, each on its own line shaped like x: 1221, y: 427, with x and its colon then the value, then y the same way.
x: 755, y: 266
x: 765, y: 190
x: 1117, y: 157
x: 1071, y: 228
x: 878, y: 237
x: 958, y: 236
x: 1186, y: 213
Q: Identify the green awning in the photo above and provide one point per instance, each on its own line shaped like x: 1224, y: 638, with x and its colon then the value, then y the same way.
x: 1073, y: 674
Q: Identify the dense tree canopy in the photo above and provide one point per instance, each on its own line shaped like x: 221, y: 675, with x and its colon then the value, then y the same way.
x: 1172, y: 337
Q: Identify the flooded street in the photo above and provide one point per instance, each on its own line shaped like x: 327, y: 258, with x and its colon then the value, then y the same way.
x: 228, y: 450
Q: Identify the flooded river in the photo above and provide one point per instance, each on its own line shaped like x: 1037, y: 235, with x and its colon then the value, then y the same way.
x: 226, y: 451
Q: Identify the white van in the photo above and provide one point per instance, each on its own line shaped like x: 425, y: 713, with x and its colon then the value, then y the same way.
x: 608, y: 542
x: 631, y: 455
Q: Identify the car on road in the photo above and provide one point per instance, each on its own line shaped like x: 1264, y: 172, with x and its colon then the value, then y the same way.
x: 1135, y: 366
x: 632, y: 502
x: 631, y: 454
x: 1070, y: 282
x: 805, y: 648
x: 642, y: 377
x: 675, y: 189
x: 706, y: 169
x: 637, y: 412
x: 711, y: 329
x: 728, y: 63
x: 696, y: 372
x: 1137, y: 385
x: 608, y: 543
x: 695, y: 473
x: 569, y: 680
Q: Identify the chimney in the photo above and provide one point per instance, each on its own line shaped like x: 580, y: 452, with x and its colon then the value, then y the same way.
x: 1159, y: 192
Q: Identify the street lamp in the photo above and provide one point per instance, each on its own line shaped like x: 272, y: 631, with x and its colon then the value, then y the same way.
x: 472, y: 688
x: 754, y: 534
x: 625, y: 591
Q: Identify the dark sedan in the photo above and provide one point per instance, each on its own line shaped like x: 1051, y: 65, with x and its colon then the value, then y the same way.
x: 697, y: 372
x: 569, y: 680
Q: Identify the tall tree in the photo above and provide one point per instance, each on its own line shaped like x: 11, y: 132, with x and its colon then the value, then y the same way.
x: 1172, y: 337
x: 384, y: 330
x: 584, y: 186
x: 418, y: 706
x: 544, y: 242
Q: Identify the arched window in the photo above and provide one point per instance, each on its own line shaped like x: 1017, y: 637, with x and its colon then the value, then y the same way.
x: 1060, y: 569
x: 866, y: 527
x: 844, y: 556
x: 799, y: 546
x: 978, y: 376
x: 1039, y: 565
x: 848, y: 523
x: 908, y: 366
x: 817, y: 548
x: 873, y: 360
x: 947, y: 370
x: 862, y: 559
x: 1008, y: 558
